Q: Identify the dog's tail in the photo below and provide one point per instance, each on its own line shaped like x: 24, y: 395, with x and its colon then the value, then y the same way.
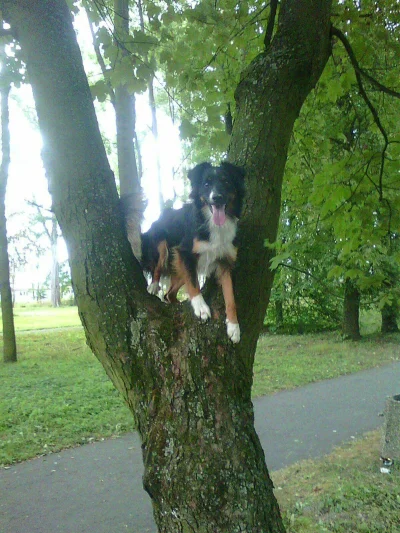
x: 133, y: 206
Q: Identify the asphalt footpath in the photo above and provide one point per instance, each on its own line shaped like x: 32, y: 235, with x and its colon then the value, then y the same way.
x: 98, y: 487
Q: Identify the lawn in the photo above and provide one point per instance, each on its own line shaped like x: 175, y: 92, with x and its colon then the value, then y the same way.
x: 344, y: 492
x: 42, y: 316
x: 58, y: 396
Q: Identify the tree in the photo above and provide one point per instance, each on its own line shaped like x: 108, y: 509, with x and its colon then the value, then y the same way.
x: 118, y: 83
x: 50, y: 230
x: 342, y: 172
x: 187, y: 385
x: 9, y: 342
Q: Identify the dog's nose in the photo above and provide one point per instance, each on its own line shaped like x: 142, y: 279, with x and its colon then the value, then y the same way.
x: 217, y: 198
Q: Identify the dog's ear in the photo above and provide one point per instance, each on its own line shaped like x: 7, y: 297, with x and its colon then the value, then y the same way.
x: 237, y: 173
x: 195, y: 175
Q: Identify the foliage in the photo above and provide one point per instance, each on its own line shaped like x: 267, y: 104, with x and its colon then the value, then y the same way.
x: 341, y: 196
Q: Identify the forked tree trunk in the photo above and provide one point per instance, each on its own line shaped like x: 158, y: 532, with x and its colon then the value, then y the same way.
x: 187, y: 385
x: 351, y: 312
x: 9, y: 343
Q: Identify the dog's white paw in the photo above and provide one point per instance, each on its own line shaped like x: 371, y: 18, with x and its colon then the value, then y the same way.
x: 200, y: 308
x: 153, y: 288
x: 233, y: 331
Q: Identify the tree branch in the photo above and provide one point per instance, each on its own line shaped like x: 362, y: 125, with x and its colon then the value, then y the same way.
x: 100, y: 61
x: 271, y: 23
x: 341, y: 36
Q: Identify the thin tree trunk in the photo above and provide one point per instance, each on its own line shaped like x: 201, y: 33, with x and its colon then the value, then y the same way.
x: 125, y: 108
x: 279, y: 314
x: 154, y: 129
x: 390, y: 315
x: 125, y: 115
x: 351, y: 312
x: 55, y: 266
x: 154, y: 122
x: 188, y: 386
x: 9, y: 343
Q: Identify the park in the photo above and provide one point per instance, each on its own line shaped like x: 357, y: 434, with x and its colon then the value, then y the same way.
x: 299, y: 96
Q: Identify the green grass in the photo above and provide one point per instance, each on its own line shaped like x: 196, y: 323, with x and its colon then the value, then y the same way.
x: 288, y: 361
x: 58, y: 395
x: 33, y: 317
x: 344, y: 492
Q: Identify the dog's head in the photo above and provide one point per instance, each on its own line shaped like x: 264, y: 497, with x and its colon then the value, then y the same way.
x: 221, y: 189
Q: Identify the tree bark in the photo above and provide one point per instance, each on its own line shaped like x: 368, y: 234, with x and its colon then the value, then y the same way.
x: 187, y: 385
x: 9, y: 342
x: 351, y: 312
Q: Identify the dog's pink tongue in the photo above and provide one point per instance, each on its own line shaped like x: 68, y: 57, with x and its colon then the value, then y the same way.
x: 219, y: 216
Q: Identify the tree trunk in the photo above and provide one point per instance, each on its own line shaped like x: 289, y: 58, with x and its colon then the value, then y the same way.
x: 55, y: 266
x: 154, y: 122
x: 279, y: 314
x: 390, y: 314
x: 351, y: 312
x: 187, y: 385
x: 125, y: 108
x: 9, y: 343
x: 390, y: 445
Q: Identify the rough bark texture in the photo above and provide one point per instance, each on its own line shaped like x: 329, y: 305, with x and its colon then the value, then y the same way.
x: 188, y: 387
x: 9, y: 343
x: 351, y: 312
x: 391, y: 430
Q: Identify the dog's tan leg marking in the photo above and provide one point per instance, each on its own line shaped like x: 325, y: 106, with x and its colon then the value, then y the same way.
x: 154, y: 286
x: 225, y: 280
x: 183, y: 275
x: 233, y: 329
x: 176, y: 284
x: 200, y: 308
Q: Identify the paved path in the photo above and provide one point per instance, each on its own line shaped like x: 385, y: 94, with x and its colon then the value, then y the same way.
x: 97, y: 487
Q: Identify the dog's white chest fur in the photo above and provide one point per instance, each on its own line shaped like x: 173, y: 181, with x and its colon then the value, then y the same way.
x: 219, y: 246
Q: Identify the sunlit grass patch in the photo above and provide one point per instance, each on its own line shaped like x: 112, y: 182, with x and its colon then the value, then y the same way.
x: 32, y: 317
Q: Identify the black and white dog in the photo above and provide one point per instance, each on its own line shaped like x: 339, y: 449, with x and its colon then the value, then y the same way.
x: 199, y: 239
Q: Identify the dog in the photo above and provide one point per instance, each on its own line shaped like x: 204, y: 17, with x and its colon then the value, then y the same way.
x: 199, y: 239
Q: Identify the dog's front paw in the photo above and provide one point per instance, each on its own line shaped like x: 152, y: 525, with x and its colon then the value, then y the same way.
x: 233, y: 331
x: 153, y: 288
x: 200, y: 308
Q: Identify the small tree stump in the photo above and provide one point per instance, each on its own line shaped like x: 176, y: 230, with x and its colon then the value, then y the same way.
x: 391, y: 429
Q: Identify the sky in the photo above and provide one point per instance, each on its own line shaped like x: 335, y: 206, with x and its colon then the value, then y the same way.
x: 27, y: 179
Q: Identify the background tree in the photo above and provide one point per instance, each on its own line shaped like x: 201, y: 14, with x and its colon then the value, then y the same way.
x: 187, y: 385
x: 9, y: 342
x: 344, y: 161
x: 49, y: 230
